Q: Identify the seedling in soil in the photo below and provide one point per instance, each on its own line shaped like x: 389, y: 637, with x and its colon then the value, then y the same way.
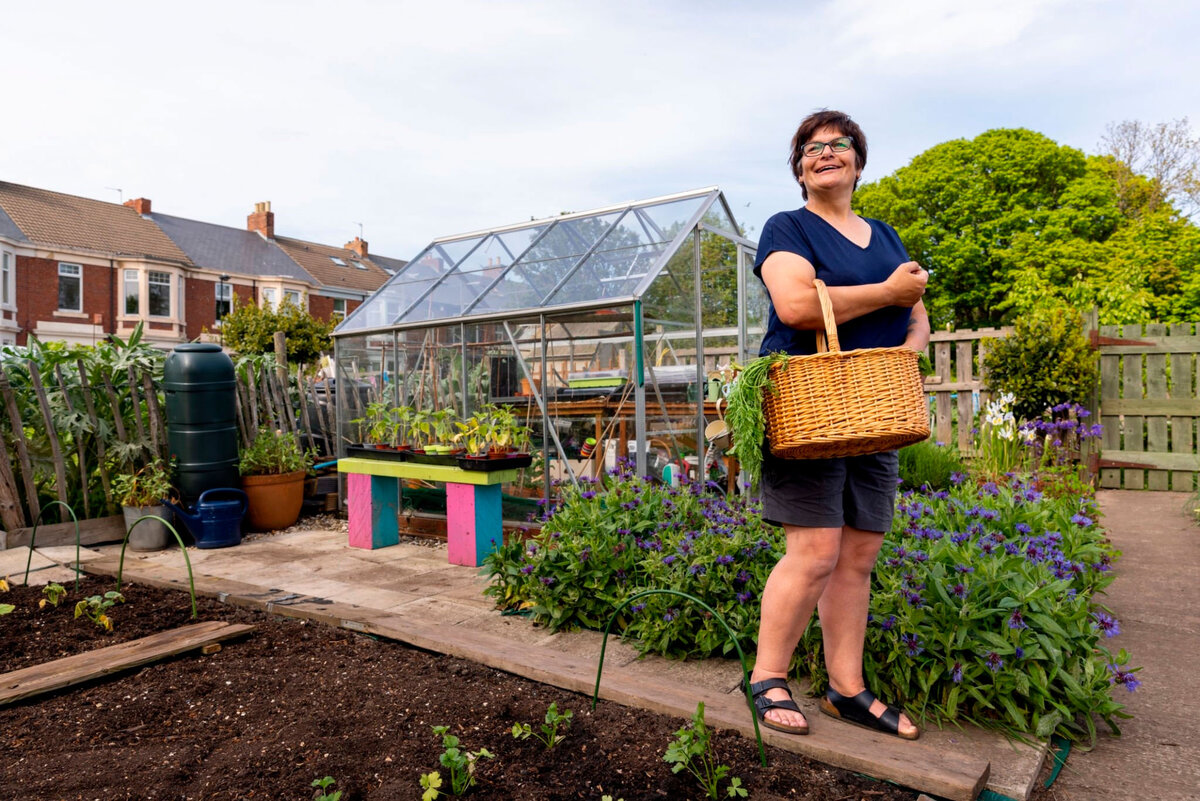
x: 5, y: 608
x: 323, y: 793
x: 549, y: 736
x: 461, y: 764
x: 54, y: 593
x: 692, y: 750
x: 96, y: 607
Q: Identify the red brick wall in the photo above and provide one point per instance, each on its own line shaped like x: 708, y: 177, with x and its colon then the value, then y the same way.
x: 320, y: 307
x: 199, y: 306
x: 37, y: 293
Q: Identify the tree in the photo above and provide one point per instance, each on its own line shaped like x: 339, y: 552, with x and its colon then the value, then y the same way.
x: 1166, y: 153
x: 250, y: 329
x: 1011, y: 221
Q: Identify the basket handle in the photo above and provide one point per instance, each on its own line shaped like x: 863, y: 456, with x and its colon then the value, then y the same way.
x: 830, y: 332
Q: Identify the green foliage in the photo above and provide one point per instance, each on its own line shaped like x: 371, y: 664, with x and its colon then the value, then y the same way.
x: 745, y: 415
x: 549, y: 735
x: 250, y: 329
x: 273, y: 453
x: 322, y: 793
x: 929, y: 464
x: 95, y: 608
x: 460, y: 763
x: 983, y: 609
x: 692, y: 750
x: 605, y: 542
x: 1045, y: 362
x: 148, y: 486
x: 1011, y: 220
x: 54, y: 593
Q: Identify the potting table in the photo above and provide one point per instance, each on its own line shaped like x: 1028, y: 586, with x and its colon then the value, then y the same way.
x: 473, y: 520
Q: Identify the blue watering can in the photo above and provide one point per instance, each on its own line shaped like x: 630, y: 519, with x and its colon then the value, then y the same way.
x: 217, y: 523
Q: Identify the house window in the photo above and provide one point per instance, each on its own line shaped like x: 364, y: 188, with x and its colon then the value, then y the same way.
x: 339, y: 309
x: 293, y: 296
x: 133, y: 291
x: 224, y: 299
x: 7, y: 290
x: 269, y: 297
x: 70, y: 287
x: 179, y: 307
x: 159, y: 286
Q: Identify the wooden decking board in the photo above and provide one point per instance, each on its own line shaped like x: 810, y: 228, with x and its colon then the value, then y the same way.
x: 49, y: 676
x: 922, y: 765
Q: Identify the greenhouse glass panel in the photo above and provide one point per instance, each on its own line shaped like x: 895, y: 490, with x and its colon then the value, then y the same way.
x: 665, y: 220
x: 518, y: 241
x: 718, y: 218
x: 451, y: 253
x: 609, y: 274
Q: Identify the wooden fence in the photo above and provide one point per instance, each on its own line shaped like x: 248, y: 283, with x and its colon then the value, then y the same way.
x: 1148, y: 406
x: 122, y: 426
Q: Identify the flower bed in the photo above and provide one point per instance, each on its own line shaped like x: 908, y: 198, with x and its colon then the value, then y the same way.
x: 983, y: 607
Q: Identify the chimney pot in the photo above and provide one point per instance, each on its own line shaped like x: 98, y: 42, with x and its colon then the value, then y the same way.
x: 358, y: 246
x: 262, y: 221
x: 141, y: 205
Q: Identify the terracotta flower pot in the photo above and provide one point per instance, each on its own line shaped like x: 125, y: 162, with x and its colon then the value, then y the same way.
x: 275, y: 500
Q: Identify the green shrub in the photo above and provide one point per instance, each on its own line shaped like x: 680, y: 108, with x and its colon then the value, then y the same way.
x: 1045, y: 362
x: 929, y: 464
x: 250, y: 329
x: 273, y: 453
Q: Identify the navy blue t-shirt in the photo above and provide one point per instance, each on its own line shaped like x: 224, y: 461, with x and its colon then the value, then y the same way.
x: 838, y: 262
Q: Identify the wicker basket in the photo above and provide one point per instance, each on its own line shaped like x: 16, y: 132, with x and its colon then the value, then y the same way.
x: 845, y: 403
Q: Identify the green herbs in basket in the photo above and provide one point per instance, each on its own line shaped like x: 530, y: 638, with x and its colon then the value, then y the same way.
x: 745, y: 416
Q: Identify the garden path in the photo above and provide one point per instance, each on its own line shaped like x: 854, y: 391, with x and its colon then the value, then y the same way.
x: 411, y: 593
x: 1156, y: 598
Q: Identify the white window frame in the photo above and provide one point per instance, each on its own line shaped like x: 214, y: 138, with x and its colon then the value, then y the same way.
x: 168, y: 284
x: 8, y: 280
x: 78, y: 276
x: 217, y: 292
x: 337, y: 315
x: 296, y: 296
x: 270, y: 298
x: 136, y: 276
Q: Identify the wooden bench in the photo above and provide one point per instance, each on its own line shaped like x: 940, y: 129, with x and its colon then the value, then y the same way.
x: 473, y: 518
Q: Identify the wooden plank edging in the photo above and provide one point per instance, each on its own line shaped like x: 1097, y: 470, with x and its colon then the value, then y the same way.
x: 20, y: 684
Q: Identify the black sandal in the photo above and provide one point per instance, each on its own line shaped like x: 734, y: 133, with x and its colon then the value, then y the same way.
x: 758, y: 690
x: 857, y: 710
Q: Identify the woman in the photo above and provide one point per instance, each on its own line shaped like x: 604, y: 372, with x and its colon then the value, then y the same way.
x: 834, y: 512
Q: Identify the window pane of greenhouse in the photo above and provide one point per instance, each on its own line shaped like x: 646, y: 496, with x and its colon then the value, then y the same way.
x: 609, y: 274
x: 571, y: 237
x: 452, y: 252
x: 665, y: 219
x: 717, y: 218
x: 756, y: 303
x: 459, y: 289
x: 518, y: 241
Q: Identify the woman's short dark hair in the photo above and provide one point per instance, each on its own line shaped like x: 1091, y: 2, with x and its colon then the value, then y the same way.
x: 827, y: 119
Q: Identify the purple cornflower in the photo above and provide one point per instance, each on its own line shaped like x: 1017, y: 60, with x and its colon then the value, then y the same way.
x: 741, y: 578
x: 912, y: 644
x: 525, y: 571
x: 745, y: 597
x: 956, y: 673
x: 1022, y: 528
x: 671, y: 614
x: 1081, y: 521
x: 585, y: 554
x: 1106, y: 623
x: 957, y: 478
x: 587, y: 495
x: 1019, y: 653
x: 959, y: 591
x: 888, y: 623
x: 993, y: 661
x: 725, y: 559
x: 1118, y: 675
x: 697, y: 569
x: 669, y: 560
x: 549, y: 580
x: 989, y: 488
x: 1016, y: 620
x: 959, y: 537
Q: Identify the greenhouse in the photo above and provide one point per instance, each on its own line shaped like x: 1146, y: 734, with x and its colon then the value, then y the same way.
x: 602, y: 332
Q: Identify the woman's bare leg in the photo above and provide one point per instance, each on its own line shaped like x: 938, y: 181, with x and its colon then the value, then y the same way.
x: 788, y: 600
x: 843, y: 609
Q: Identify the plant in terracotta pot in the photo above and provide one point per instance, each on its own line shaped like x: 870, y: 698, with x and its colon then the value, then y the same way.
x: 142, y: 493
x: 273, y: 469
x: 400, y: 428
x: 375, y: 425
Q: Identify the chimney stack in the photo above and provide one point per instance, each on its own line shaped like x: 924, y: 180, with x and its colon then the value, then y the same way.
x: 141, y: 205
x: 262, y: 221
x: 358, y: 246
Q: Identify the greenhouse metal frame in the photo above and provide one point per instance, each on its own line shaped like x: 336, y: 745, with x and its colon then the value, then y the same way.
x: 613, y: 317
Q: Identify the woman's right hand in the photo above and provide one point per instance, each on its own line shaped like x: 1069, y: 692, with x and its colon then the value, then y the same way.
x: 907, y: 283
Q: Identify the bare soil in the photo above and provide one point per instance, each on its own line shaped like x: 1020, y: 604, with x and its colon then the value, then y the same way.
x: 295, y: 701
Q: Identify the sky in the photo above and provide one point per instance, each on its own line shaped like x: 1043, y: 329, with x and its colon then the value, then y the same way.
x: 420, y: 120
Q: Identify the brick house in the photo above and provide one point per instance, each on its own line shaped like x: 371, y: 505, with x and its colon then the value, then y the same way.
x: 74, y: 269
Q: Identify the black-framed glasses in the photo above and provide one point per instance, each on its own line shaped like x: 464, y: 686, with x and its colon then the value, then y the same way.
x: 839, y: 145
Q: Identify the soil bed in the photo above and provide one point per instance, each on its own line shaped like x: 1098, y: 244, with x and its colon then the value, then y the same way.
x: 295, y: 701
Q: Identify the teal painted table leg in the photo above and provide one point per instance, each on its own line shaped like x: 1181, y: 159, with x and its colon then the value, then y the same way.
x: 473, y: 522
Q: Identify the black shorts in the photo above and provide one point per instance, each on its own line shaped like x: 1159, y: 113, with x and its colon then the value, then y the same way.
x: 856, y: 491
